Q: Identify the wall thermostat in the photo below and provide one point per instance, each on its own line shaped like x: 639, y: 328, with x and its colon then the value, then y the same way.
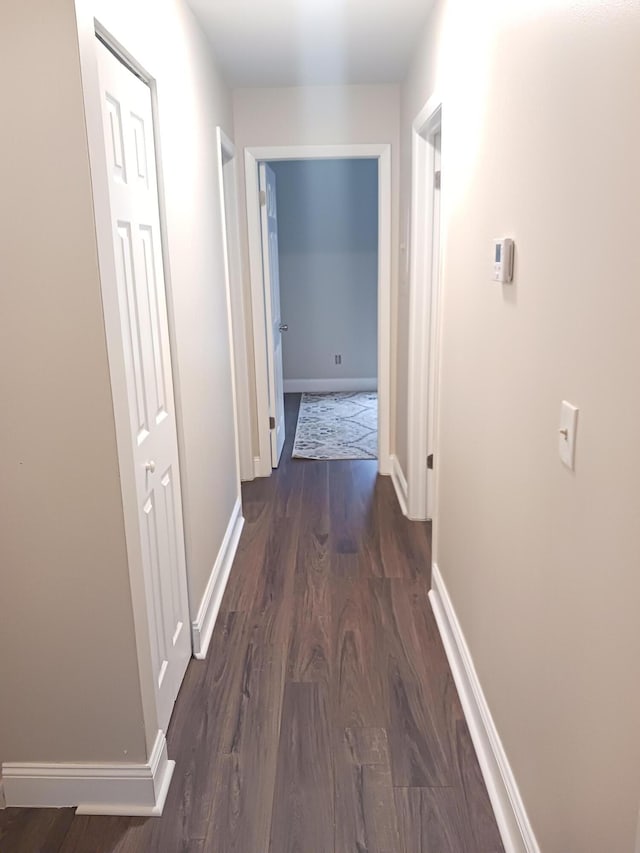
x: 503, y: 260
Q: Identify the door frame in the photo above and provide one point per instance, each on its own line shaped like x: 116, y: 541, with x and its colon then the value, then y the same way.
x: 275, y: 365
x: 227, y: 159
x: 89, y: 30
x: 424, y: 309
x: 253, y: 157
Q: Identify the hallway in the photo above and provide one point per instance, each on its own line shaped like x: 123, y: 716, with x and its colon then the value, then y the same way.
x: 325, y: 719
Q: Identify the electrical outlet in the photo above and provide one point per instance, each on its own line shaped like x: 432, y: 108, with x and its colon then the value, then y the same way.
x: 338, y: 359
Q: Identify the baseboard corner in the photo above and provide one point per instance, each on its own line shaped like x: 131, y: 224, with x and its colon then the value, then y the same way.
x: 511, y: 816
x: 131, y: 790
x: 202, y: 626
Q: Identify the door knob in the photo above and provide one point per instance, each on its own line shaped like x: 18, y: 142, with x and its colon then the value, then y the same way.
x: 284, y: 327
x: 150, y: 466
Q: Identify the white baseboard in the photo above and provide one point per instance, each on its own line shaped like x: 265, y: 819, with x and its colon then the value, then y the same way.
x: 137, y: 790
x: 324, y: 386
x: 399, y: 483
x: 511, y: 816
x: 202, y: 626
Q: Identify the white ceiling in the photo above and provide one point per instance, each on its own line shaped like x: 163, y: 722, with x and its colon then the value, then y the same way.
x: 307, y: 42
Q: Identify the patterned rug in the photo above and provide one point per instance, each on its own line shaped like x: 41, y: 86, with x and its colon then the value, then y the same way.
x: 340, y: 425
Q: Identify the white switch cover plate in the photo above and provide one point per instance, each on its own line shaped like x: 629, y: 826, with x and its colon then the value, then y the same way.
x: 567, y: 434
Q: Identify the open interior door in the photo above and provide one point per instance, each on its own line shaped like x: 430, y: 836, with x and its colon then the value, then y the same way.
x: 271, y: 275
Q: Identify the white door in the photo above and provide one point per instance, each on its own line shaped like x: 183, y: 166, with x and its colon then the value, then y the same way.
x: 434, y: 332
x: 271, y: 272
x: 133, y: 194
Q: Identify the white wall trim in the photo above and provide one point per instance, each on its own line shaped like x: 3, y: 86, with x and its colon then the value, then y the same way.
x: 421, y: 302
x: 513, y: 822
x: 227, y: 161
x: 101, y: 789
x: 255, y: 155
x: 321, y: 386
x: 399, y: 483
x: 203, y: 624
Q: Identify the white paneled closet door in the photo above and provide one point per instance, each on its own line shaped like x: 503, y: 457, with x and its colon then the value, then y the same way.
x: 133, y: 193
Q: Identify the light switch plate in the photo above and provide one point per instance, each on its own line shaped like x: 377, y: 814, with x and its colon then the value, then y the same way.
x: 567, y: 434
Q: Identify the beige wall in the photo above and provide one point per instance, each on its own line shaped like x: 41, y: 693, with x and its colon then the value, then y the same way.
x: 541, y: 134
x: 67, y: 645
x: 322, y: 115
x: 192, y: 100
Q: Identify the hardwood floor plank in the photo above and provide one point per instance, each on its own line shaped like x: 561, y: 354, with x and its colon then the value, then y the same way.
x: 365, y: 810
x: 367, y: 745
x: 30, y: 830
x: 89, y: 834
x: 419, y: 755
x: 475, y: 806
x: 290, y: 472
x: 358, y: 687
x: 215, y: 710
x: 429, y: 821
x: 303, y: 815
x: 243, y: 780
x: 272, y: 605
x: 243, y: 578
x: 380, y: 816
x: 350, y: 828
x: 221, y: 694
x: 309, y: 657
x: 417, y: 673
x: 343, y: 497
x: 435, y: 820
x: 313, y: 554
x: 270, y: 616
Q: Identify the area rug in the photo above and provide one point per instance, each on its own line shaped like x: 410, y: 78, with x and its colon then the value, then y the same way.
x: 340, y: 425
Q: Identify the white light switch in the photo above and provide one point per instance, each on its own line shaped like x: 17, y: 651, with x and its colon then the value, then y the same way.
x: 567, y: 434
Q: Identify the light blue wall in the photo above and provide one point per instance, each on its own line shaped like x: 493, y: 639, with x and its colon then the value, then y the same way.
x: 328, y: 246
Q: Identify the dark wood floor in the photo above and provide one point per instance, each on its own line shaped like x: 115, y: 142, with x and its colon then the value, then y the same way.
x: 325, y: 718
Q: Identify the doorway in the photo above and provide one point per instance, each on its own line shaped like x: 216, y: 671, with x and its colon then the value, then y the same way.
x: 227, y: 166
x: 424, y: 311
x: 327, y: 219
x: 268, y: 325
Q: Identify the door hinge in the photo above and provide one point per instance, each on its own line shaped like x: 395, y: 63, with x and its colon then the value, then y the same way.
x: 272, y: 423
x: 263, y: 197
x: 437, y: 179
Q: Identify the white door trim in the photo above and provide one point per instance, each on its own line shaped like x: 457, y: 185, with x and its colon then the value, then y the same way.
x: 424, y: 317
x: 226, y: 153
x: 88, y: 29
x: 255, y: 155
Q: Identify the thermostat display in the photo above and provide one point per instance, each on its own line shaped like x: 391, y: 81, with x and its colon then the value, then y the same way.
x: 503, y: 260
